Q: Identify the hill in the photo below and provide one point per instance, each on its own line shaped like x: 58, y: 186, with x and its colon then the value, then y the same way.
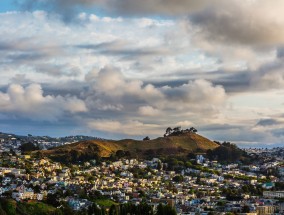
x: 163, y: 146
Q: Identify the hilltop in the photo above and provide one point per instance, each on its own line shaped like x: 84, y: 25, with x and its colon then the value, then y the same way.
x: 180, y: 144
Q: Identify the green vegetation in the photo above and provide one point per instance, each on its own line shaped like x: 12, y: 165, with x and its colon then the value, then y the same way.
x: 178, y: 178
x: 226, y: 152
x: 27, y: 147
x: 11, y: 207
x: 105, y: 202
x: 165, y: 210
x: 8, y: 206
x: 37, y: 208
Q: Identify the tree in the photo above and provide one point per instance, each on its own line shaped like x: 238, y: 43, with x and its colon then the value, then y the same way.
x: 113, y: 210
x: 160, y: 210
x: 146, y: 138
x: 177, y: 129
x: 120, y: 153
x: 53, y: 199
x: 168, y: 131
x: 165, y: 210
x: 29, y: 147
x: 192, y: 129
x: 178, y: 178
x: 160, y: 165
x: 245, y: 209
x: 191, y: 155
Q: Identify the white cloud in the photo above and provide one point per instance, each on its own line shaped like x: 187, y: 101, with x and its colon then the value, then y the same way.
x: 30, y: 103
x: 132, y: 128
x: 110, y: 84
x: 148, y: 111
x: 184, y: 124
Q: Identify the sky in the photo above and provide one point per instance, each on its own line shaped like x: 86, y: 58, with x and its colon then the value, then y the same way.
x: 131, y: 68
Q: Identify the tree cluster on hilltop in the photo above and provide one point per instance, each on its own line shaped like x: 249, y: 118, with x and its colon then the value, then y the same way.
x: 178, y: 131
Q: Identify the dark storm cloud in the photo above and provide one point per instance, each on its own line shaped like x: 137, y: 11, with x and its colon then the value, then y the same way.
x: 25, y: 50
x: 25, y: 57
x: 121, y: 48
x: 64, y: 88
x: 244, y: 23
x: 4, y: 46
x: 58, y: 70
x: 232, y: 82
x: 20, y: 79
x: 153, y: 7
x: 278, y: 132
x: 267, y: 122
x: 280, y: 52
x: 236, y: 82
x: 268, y: 76
x: 218, y: 127
x: 171, y: 83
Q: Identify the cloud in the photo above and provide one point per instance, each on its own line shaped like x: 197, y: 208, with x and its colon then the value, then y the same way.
x: 268, y: 76
x: 234, y: 22
x: 185, y: 123
x: 111, y: 83
x: 242, y: 23
x: 267, y: 122
x: 67, y: 8
x: 58, y: 70
x: 121, y: 48
x: 117, y: 99
x: 20, y: 79
x: 179, y: 69
x: 198, y: 94
x: 243, y: 135
x: 279, y: 133
x: 29, y: 102
x: 162, y: 7
x: 148, y: 111
x: 132, y: 128
x: 280, y: 52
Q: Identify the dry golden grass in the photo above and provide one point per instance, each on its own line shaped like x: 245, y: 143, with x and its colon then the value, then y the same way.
x: 182, y: 144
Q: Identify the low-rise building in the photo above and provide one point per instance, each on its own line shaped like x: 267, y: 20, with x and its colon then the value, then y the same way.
x: 273, y: 194
x: 265, y: 210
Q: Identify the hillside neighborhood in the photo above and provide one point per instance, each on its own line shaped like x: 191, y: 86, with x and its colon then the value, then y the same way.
x: 193, y: 186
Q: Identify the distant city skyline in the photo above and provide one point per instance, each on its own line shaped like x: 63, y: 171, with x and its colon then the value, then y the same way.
x: 130, y: 69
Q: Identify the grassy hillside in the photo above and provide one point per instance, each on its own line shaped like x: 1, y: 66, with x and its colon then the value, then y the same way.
x: 162, y: 146
x: 11, y: 207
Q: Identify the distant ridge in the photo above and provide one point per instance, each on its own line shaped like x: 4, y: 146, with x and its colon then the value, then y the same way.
x: 181, y: 144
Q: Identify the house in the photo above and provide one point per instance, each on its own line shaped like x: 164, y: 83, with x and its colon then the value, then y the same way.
x: 265, y: 210
x: 268, y: 185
